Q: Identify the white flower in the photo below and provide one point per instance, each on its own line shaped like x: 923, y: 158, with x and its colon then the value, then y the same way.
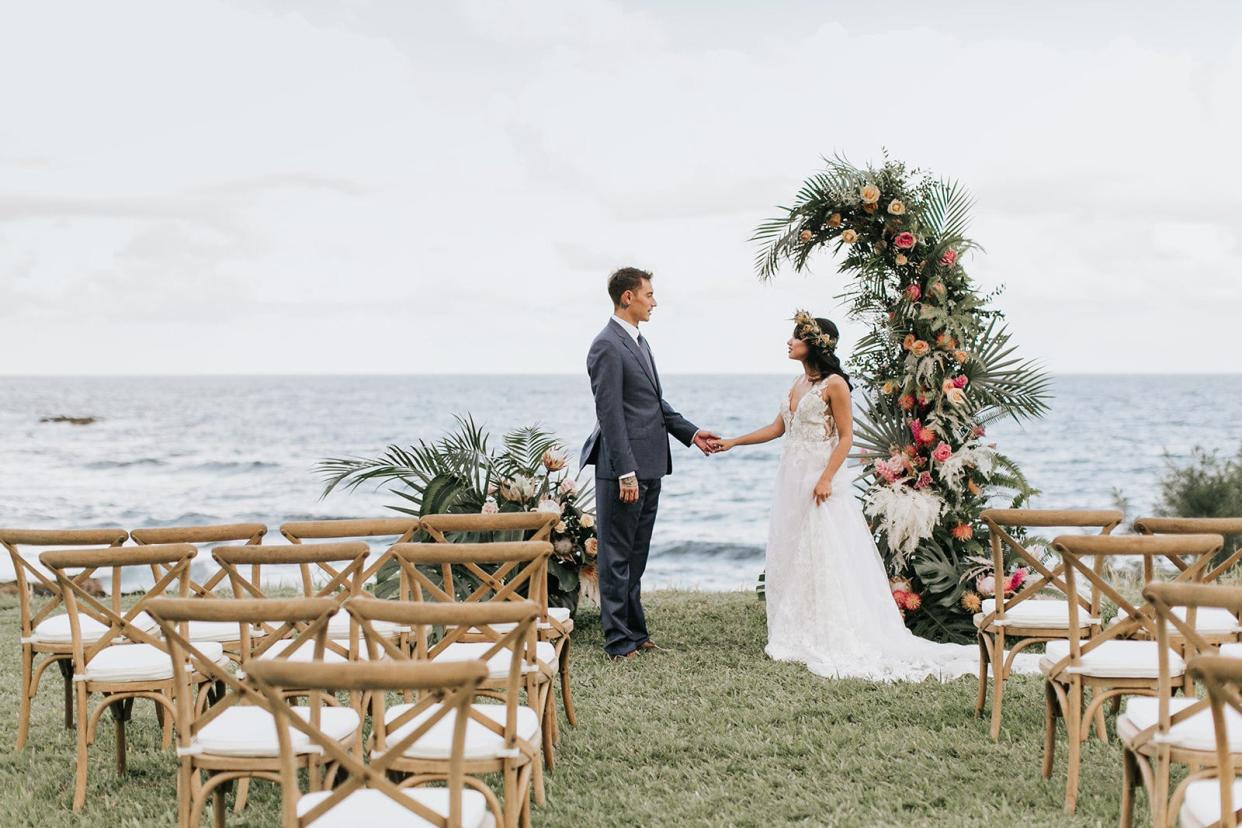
x: 549, y: 505
x: 490, y: 507
x: 906, y: 515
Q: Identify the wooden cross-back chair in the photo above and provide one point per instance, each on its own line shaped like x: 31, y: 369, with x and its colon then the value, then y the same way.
x: 1113, y: 663
x: 234, y: 738
x: 338, y: 568
x: 106, y: 665
x: 248, y: 533
x: 1157, y: 732
x: 401, y: 530
x: 1024, y: 619
x: 487, y: 572
x: 1217, y: 625
x: 45, y: 636
x: 1212, y: 801
x: 368, y: 797
x: 500, y: 738
x: 555, y: 623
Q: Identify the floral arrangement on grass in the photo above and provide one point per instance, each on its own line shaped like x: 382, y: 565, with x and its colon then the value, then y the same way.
x: 460, y: 473
x: 937, y: 368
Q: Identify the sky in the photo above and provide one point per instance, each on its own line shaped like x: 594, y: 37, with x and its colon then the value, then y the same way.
x: 319, y: 187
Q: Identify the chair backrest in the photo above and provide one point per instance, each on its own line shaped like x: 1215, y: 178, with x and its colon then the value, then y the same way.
x: 1195, y: 526
x: 249, y: 533
x: 445, y: 689
x: 476, y: 572
x: 1142, y: 618
x: 339, y: 567
x: 1165, y: 599
x: 1000, y: 522
x: 309, y: 617
x: 509, y: 526
x: 173, y: 558
x: 458, y: 622
x: 401, y: 530
x: 29, y: 573
x: 1223, y: 679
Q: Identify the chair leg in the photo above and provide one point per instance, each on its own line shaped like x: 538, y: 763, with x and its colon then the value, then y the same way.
x: 243, y: 793
x: 567, y: 693
x: 1073, y: 752
x: 1101, y: 727
x: 66, y: 673
x: 217, y: 806
x: 1051, y: 712
x: 1129, y: 778
x: 524, y: 817
x: 549, y: 748
x: 981, y: 697
x: 185, y: 792
x: 537, y: 782
x: 79, y: 778
x: 511, y: 806
x: 998, y: 683
x: 23, y: 715
x: 120, y: 714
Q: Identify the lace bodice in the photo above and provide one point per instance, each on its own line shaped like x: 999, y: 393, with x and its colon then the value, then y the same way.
x: 811, y: 421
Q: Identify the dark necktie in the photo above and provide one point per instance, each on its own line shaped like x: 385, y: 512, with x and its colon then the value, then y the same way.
x: 646, y: 349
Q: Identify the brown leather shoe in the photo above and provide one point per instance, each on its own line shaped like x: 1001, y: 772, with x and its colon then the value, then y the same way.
x: 649, y: 646
x: 630, y: 656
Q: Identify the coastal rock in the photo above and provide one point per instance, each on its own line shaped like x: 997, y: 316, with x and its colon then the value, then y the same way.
x: 61, y: 418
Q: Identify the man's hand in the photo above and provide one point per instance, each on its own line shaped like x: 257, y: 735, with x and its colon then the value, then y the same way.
x: 629, y: 490
x: 707, y: 442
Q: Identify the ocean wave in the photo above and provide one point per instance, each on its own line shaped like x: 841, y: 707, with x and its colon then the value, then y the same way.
x: 234, y: 465
x: 714, y: 551
x: 124, y: 464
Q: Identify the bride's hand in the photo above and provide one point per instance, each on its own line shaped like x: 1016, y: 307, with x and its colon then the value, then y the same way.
x: 723, y: 445
x: 823, y: 490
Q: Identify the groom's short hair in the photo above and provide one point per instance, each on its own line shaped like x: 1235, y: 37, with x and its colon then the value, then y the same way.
x: 627, y: 278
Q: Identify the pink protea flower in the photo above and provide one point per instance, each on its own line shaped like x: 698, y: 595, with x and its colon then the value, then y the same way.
x: 913, y: 293
x: 1016, y: 579
x: 960, y: 381
x: 943, y: 452
x: 986, y: 585
x: 490, y: 507
x: 568, y: 486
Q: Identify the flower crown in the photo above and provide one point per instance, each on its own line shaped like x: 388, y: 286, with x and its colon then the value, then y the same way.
x: 809, y: 331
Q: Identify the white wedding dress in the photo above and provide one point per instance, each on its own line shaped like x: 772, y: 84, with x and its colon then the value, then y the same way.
x: 828, y: 599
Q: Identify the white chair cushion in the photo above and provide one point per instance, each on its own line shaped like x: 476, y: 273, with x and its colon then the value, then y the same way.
x: 215, y: 631
x: 376, y: 809
x: 1195, y: 733
x: 141, y: 662
x: 306, y: 652
x: 1231, y: 650
x: 481, y: 743
x: 251, y: 731
x: 1201, y: 807
x: 498, y: 664
x: 55, y: 630
x: 1115, y: 659
x: 558, y: 614
x: 338, y: 627
x: 1208, y: 620
x: 1035, y: 612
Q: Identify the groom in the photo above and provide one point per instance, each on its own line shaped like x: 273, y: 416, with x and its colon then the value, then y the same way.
x: 629, y: 449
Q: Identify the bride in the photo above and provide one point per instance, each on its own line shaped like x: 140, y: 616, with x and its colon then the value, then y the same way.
x: 828, y: 599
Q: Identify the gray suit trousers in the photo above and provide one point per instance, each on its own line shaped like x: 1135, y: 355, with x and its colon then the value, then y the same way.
x: 624, y: 540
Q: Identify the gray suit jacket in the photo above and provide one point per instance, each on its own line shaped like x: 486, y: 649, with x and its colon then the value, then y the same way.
x: 632, y: 419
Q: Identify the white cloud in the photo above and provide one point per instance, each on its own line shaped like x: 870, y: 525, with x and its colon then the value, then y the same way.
x: 381, y: 186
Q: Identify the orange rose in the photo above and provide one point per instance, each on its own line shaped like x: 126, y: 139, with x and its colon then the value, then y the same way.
x: 834, y: 220
x: 961, y: 357
x: 901, y: 260
x: 870, y: 194
x: 849, y: 236
x: 920, y: 348
x: 896, y: 208
x: 806, y: 235
x: 908, y: 342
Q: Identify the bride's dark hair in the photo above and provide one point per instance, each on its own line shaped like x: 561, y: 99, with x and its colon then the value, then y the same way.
x: 824, y: 361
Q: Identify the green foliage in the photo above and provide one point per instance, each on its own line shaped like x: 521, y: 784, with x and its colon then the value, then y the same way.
x: 460, y: 473
x: 1206, y: 486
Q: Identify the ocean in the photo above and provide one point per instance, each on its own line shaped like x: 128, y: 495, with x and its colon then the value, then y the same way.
x: 184, y: 450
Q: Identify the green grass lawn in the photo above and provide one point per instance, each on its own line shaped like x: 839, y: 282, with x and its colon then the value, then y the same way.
x: 710, y: 733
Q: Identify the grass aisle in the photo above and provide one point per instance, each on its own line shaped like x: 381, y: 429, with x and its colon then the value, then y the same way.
x: 711, y: 733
